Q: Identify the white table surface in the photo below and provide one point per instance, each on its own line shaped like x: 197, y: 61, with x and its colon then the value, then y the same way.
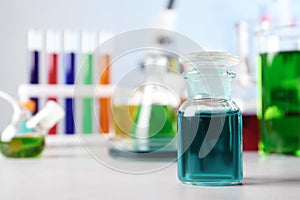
x: 66, y: 170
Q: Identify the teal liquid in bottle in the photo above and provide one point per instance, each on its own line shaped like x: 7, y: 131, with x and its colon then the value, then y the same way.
x: 209, y: 123
x: 222, y: 163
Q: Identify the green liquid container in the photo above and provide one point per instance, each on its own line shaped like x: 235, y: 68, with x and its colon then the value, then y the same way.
x: 280, y: 103
x: 279, y: 91
x: 161, y: 129
x: 144, y: 114
x: 87, y: 102
x: 23, y: 146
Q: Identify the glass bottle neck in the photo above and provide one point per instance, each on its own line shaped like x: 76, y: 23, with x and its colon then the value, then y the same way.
x: 156, y: 67
x: 209, y: 86
x: 201, y: 95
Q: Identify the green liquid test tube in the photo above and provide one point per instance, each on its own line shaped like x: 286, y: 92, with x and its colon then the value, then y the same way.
x: 87, y: 102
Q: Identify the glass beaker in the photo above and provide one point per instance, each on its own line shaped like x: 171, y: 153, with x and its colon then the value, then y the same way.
x: 279, y: 90
x: 145, y: 115
x: 23, y: 146
x: 25, y: 136
x: 209, y: 123
x: 17, y: 140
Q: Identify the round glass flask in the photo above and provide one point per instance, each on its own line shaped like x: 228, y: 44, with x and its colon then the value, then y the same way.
x: 145, y: 115
x: 209, y: 123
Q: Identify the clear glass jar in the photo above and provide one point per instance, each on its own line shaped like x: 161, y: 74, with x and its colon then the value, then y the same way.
x: 209, y: 123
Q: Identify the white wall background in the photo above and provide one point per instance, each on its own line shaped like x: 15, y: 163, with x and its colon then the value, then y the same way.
x: 208, y: 22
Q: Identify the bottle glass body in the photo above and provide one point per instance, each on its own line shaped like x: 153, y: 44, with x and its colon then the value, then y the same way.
x: 209, y: 130
x: 209, y: 144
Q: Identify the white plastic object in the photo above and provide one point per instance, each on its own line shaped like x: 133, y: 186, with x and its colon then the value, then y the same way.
x: 63, y: 91
x: 47, y: 117
x: 10, y: 131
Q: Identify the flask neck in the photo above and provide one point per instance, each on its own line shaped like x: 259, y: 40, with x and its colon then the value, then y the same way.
x: 209, y: 85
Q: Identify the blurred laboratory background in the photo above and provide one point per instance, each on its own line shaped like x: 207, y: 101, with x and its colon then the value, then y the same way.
x: 92, y: 118
x: 211, y: 24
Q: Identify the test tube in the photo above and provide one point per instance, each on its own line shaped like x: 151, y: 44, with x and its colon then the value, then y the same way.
x: 88, y: 45
x: 104, y: 79
x: 53, y: 48
x: 71, y: 39
x: 34, y: 49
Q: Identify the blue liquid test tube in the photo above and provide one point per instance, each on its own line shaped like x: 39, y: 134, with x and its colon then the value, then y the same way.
x: 70, y: 45
x: 34, y: 48
x: 69, y: 79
